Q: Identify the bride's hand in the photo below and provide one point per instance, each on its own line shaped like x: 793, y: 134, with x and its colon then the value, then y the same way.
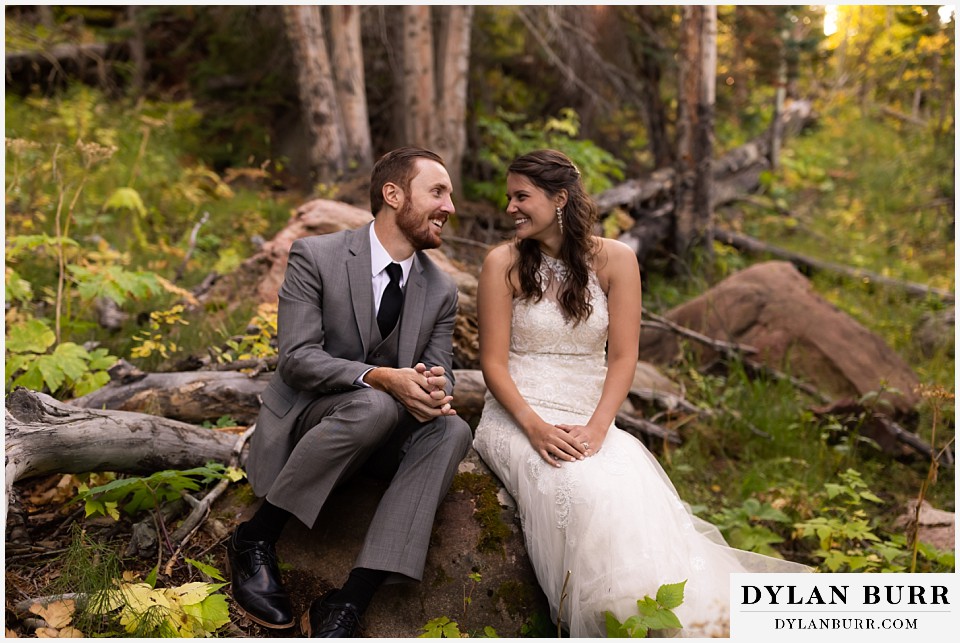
x: 554, y: 444
x: 589, y: 438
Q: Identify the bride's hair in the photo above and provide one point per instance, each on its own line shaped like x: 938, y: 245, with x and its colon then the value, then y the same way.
x: 552, y: 171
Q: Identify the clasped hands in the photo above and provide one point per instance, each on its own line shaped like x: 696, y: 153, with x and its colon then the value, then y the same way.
x: 422, y: 391
x: 565, y: 442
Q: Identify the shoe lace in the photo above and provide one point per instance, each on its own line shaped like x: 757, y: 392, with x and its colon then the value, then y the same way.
x: 347, y: 619
x: 264, y: 555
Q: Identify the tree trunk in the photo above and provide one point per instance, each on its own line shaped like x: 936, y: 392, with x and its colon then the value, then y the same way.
x: 349, y: 78
x: 648, y: 56
x: 776, y: 130
x: 453, y: 68
x: 418, y: 93
x: 138, y: 51
x: 322, y: 116
x: 46, y: 436
x: 698, y: 63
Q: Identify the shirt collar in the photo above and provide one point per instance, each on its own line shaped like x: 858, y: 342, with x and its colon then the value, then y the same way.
x: 380, y: 258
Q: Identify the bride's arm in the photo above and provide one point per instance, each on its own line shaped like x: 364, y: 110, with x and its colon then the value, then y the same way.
x: 495, y: 314
x: 622, y: 272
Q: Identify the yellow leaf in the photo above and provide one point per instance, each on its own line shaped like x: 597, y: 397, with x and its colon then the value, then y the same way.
x: 112, y: 510
x: 130, y: 576
x: 71, y: 633
x: 170, y: 287
x: 142, y: 602
x: 10, y: 634
x: 188, y: 594
x: 105, y: 601
x: 56, y: 613
x: 47, y: 633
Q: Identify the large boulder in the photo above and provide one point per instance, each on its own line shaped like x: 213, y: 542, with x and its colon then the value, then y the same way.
x: 774, y: 308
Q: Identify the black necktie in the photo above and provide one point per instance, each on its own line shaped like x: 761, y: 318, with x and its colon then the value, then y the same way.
x: 391, y: 302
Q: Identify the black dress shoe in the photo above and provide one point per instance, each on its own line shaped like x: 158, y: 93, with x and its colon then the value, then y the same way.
x: 255, y: 580
x: 328, y: 619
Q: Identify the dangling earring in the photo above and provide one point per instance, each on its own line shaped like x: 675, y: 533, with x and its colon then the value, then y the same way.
x: 560, y: 218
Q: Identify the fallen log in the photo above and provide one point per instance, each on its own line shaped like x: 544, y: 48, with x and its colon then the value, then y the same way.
x: 188, y: 396
x: 749, y: 160
x: 46, y: 436
x: 649, y: 200
x: 755, y: 246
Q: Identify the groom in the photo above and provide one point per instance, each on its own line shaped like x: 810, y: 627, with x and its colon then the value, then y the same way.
x: 365, y: 326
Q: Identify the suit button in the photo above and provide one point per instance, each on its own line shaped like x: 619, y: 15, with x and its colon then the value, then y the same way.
x: 376, y: 355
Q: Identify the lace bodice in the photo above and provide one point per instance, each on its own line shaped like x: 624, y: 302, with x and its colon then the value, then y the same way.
x: 553, y: 361
x: 539, y: 327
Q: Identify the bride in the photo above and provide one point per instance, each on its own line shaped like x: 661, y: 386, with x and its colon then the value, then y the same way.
x: 559, y: 314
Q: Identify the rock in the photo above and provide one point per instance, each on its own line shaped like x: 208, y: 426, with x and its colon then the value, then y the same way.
x: 937, y: 527
x: 505, y: 598
x: 773, y: 308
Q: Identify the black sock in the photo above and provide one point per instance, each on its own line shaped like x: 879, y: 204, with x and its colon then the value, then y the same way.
x: 360, y: 587
x: 267, y: 524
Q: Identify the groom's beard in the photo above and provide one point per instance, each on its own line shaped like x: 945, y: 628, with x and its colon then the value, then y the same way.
x: 417, y: 227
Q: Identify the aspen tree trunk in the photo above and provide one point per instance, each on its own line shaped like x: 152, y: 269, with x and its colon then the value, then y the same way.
x: 698, y: 64
x: 418, y: 93
x: 323, y: 119
x: 349, y: 78
x: 453, y: 67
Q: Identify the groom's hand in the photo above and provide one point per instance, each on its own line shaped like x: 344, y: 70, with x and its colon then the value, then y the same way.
x: 411, y: 388
x: 436, y: 379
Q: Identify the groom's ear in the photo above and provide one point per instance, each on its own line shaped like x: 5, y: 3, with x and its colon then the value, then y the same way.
x: 392, y: 195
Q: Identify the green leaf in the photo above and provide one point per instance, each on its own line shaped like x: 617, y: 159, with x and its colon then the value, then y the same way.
x: 212, y: 613
x: 72, y: 359
x: 151, y: 578
x: 671, y: 595
x: 17, y: 288
x: 868, y: 495
x: 90, y: 382
x: 647, y: 606
x: 614, y: 627
x: 663, y: 620
x: 32, y: 337
x: 14, y: 364
x: 101, y: 359
x: 51, y: 370
x: 126, y: 199
x: 209, y: 570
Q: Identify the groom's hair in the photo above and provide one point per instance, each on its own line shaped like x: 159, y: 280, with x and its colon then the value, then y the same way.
x: 397, y: 166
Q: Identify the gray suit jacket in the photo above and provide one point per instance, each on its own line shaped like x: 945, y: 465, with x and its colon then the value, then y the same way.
x: 323, y: 324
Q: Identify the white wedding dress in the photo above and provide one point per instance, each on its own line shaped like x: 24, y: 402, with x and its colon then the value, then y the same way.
x: 613, y: 520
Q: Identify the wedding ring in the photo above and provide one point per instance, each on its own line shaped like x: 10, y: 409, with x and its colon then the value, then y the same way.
x: 586, y: 445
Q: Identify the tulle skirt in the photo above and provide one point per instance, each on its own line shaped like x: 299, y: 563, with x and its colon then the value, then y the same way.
x: 614, y: 524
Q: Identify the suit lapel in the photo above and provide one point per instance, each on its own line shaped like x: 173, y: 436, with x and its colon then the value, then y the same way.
x: 361, y: 286
x: 412, y: 316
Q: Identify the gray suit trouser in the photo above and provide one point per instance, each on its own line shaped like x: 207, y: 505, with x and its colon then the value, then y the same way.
x: 363, y: 429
